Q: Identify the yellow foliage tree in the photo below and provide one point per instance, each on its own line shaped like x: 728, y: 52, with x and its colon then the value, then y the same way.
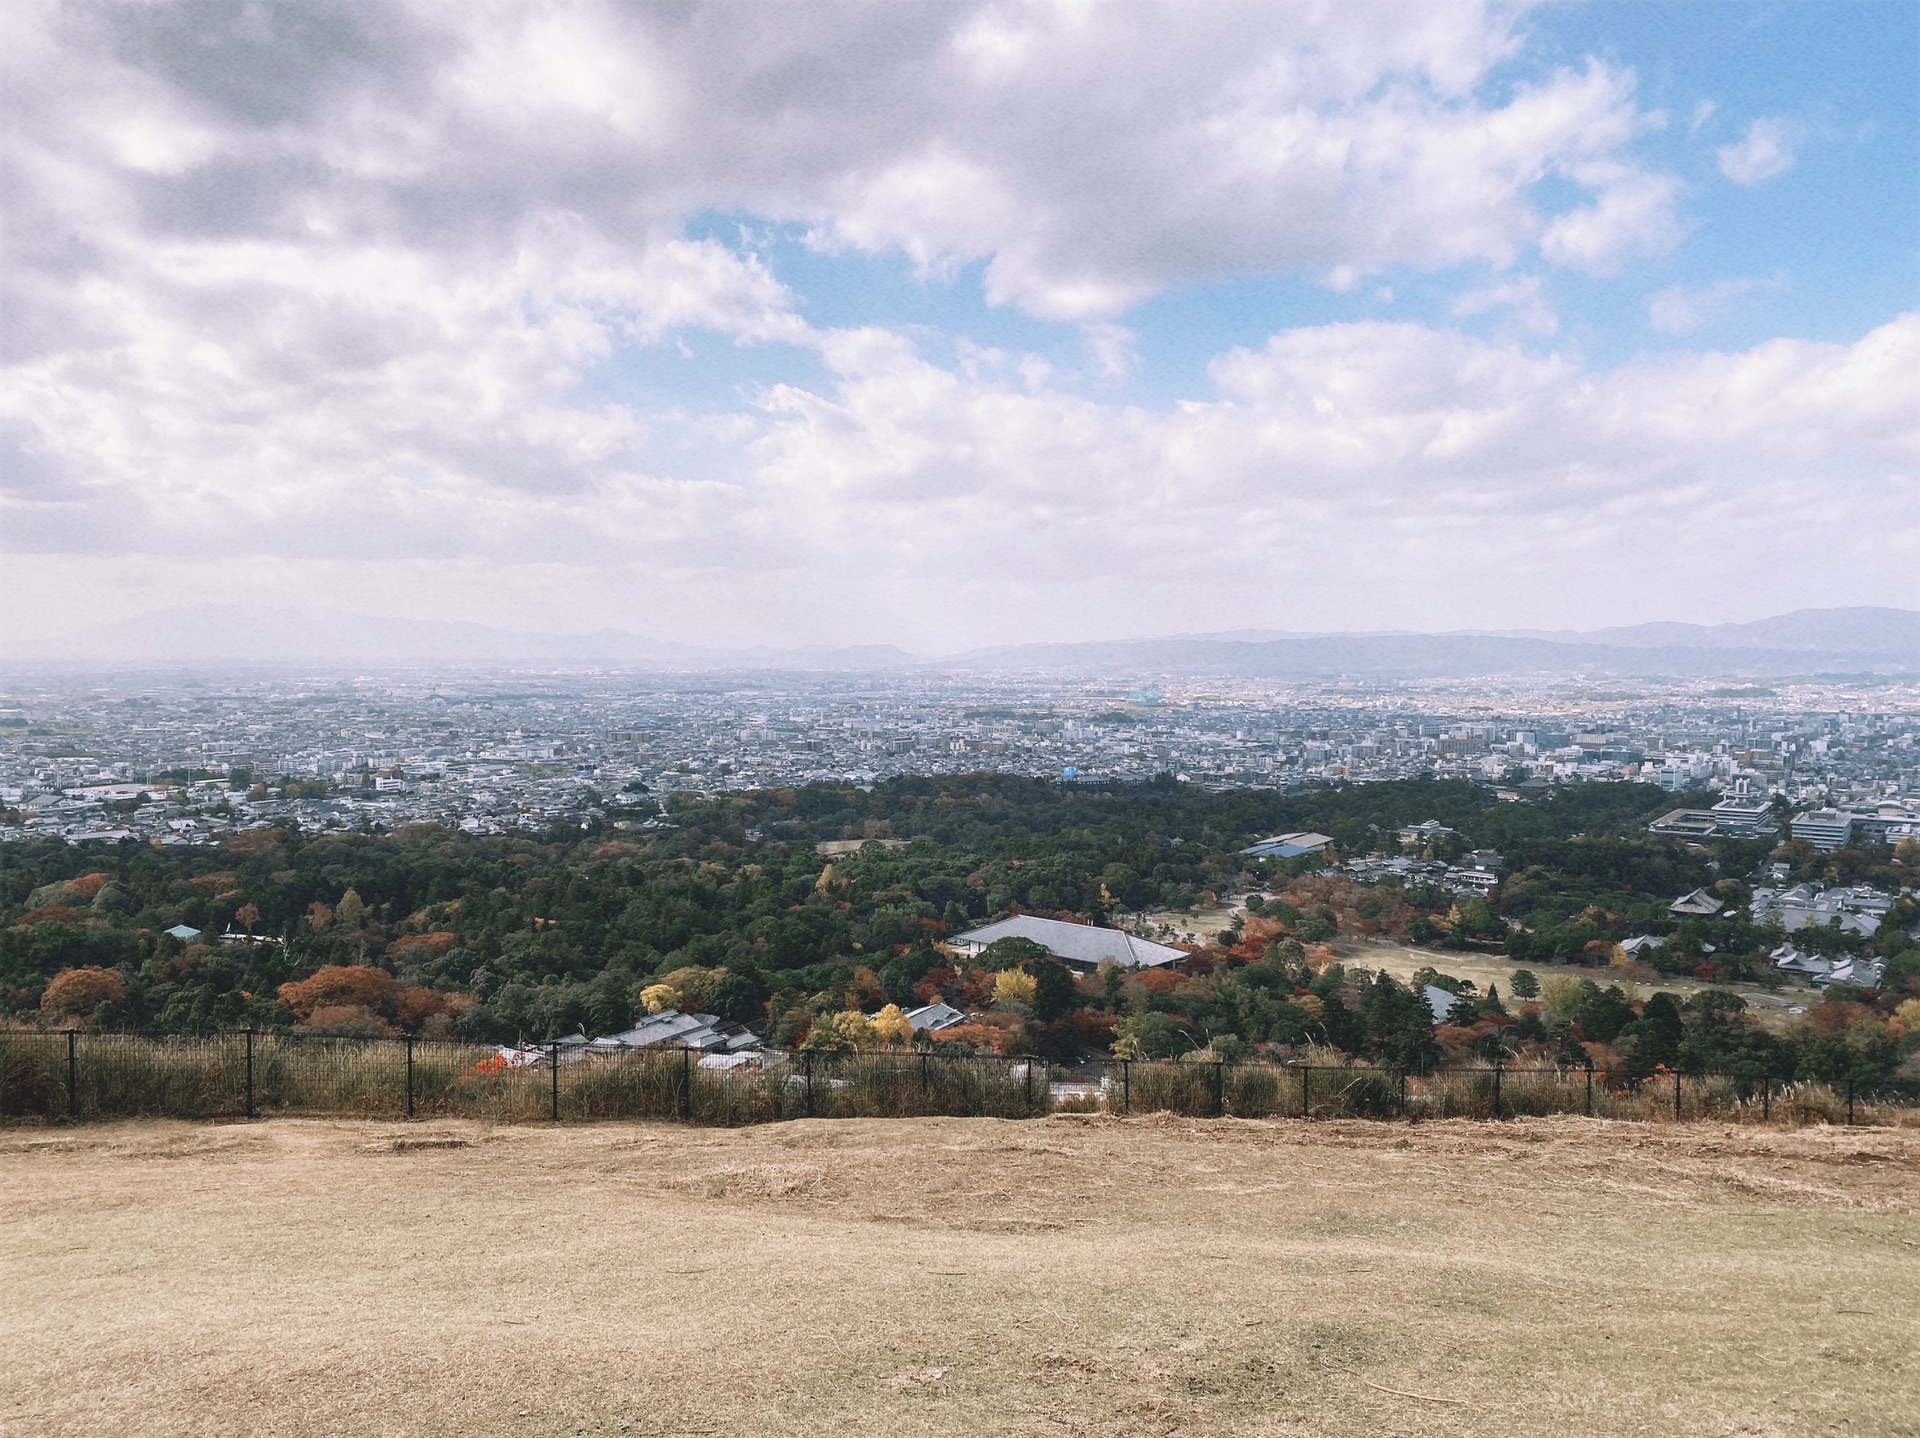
x: 1907, y: 1016
x: 890, y: 1026
x: 1012, y: 986
x: 840, y: 1032
x: 1560, y: 995
x: 655, y: 997
x: 351, y: 911
x: 691, y: 983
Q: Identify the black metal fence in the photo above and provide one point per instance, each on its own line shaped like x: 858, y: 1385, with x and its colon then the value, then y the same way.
x: 76, y: 1077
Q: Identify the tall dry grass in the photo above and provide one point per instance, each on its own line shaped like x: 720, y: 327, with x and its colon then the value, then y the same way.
x: 117, y: 1076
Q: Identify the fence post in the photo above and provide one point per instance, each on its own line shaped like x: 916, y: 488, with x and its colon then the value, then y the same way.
x: 409, y: 1075
x: 1403, y: 1093
x: 249, y: 1073
x: 1126, y: 1086
x: 1849, y: 1103
x: 1766, y: 1097
x: 1676, y: 1096
x: 923, y: 1075
x: 1496, y: 1088
x: 1029, y: 1085
x: 1306, y: 1079
x: 809, y: 1066
x: 1589, y: 1085
x: 73, y: 1073
x: 553, y: 1076
x: 1219, y: 1089
x: 686, y: 1085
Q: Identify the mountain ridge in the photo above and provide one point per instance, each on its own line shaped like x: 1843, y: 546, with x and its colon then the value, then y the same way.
x: 1850, y: 640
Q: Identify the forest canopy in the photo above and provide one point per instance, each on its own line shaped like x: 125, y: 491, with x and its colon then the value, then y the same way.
x: 733, y: 909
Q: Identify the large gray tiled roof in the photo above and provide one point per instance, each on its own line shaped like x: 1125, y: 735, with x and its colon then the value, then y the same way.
x: 1077, y: 943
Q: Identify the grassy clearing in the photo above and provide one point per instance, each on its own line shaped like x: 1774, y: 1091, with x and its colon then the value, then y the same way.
x: 1487, y: 969
x: 925, y: 1276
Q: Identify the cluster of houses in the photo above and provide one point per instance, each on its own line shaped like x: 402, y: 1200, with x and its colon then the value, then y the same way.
x: 1477, y: 877
x: 1820, y: 971
x: 721, y: 1043
x: 1860, y: 909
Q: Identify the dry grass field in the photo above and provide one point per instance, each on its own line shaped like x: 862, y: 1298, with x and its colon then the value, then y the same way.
x: 1059, y: 1277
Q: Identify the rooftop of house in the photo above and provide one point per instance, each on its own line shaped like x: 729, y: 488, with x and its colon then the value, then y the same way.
x: 1078, y: 944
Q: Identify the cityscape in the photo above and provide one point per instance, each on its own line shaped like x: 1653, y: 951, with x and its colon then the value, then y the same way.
x: 186, y: 760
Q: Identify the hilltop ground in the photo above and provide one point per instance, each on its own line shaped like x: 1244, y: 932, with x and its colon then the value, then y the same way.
x: 1068, y: 1276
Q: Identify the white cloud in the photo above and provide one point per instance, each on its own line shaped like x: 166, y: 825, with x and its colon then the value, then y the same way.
x: 1632, y: 216
x: 319, y: 287
x: 1524, y: 296
x: 1766, y: 150
x: 1679, y: 310
x: 948, y: 506
x: 1112, y: 350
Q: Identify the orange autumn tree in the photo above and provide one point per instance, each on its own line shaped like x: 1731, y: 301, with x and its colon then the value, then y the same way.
x: 357, y: 998
x: 80, y: 993
x: 343, y: 996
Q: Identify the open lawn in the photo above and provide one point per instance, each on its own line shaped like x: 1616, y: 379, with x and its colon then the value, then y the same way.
x: 1063, y: 1276
x: 1774, y: 1009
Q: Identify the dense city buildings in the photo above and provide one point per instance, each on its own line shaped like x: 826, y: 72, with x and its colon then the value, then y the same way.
x: 182, y: 760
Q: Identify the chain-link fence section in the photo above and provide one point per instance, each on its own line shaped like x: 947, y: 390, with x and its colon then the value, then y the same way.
x: 79, y: 1077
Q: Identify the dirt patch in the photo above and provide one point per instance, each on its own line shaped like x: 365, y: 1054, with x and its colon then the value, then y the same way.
x: 1068, y: 1276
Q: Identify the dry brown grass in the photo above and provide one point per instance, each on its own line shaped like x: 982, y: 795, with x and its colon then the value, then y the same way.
x: 1066, y: 1276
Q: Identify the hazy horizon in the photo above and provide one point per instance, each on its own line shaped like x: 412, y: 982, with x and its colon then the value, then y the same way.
x: 959, y: 325
x: 1808, y: 641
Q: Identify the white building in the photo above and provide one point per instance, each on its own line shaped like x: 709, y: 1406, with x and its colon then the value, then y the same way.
x: 1825, y: 829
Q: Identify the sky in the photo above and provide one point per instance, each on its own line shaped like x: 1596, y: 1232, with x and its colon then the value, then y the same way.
x: 956, y: 324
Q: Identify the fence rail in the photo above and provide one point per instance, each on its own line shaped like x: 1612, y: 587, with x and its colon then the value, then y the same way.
x: 74, y: 1077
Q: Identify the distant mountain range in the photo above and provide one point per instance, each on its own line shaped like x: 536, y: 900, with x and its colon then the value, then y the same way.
x: 267, y: 636
x: 1808, y: 641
